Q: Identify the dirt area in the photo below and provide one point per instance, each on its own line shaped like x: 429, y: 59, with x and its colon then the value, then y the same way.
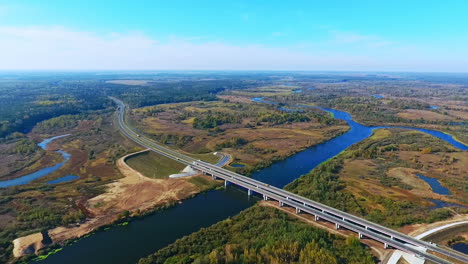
x: 134, y: 193
x: 27, y: 244
x: 425, y: 114
x: 416, y: 229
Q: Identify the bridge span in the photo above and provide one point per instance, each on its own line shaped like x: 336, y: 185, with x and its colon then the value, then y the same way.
x: 364, y: 228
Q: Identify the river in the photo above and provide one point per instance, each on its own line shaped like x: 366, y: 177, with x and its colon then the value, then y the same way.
x: 42, y: 172
x: 127, y: 244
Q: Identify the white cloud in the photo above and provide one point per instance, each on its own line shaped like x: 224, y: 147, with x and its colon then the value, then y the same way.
x: 62, y: 48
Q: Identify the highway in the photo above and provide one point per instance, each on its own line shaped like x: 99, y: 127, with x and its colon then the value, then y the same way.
x: 364, y: 228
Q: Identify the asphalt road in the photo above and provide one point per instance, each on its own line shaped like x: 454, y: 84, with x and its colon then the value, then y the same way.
x: 357, y: 224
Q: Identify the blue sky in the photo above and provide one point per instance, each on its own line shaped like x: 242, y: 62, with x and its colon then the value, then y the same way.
x: 411, y: 35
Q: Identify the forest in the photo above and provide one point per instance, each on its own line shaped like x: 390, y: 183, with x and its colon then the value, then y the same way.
x: 262, y: 235
x: 26, y: 100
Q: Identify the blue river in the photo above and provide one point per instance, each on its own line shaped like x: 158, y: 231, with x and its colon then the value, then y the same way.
x: 127, y: 244
x: 40, y: 173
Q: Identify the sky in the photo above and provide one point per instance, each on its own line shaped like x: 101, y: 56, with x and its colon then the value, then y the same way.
x: 357, y: 35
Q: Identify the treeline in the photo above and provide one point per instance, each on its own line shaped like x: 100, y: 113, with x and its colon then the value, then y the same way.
x: 26, y: 102
x: 262, y: 235
x: 59, y: 122
x: 234, y: 142
x: 282, y: 118
x: 212, y: 120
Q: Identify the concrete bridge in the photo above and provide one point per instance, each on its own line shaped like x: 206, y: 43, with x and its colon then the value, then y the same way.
x: 364, y: 228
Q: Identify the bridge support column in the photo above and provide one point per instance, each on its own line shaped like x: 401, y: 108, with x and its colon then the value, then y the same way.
x: 391, y: 237
x: 385, y: 245
x: 317, y: 218
x: 225, y: 183
x: 265, y: 197
x: 212, y: 177
x: 298, y: 211
x: 337, y: 226
x: 281, y: 204
x: 249, y: 192
x: 360, y: 235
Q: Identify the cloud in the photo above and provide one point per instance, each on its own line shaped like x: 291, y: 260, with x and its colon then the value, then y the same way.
x: 65, y: 49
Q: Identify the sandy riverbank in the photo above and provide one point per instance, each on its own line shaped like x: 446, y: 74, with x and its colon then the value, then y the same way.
x: 134, y: 193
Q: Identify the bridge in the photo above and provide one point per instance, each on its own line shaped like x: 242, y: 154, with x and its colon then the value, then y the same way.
x: 364, y: 228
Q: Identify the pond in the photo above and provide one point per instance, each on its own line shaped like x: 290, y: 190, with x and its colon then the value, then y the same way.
x: 462, y: 247
x: 435, y: 184
x: 235, y: 165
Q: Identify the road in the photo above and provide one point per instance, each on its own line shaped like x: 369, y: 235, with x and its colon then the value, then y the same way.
x: 342, y: 219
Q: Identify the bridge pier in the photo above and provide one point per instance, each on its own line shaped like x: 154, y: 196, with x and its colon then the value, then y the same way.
x: 386, y: 246
x: 225, y: 183
x: 281, y: 204
x: 298, y: 211
x: 337, y: 226
x: 212, y: 177
x: 265, y: 197
x: 360, y: 235
x: 317, y: 218
x: 249, y: 192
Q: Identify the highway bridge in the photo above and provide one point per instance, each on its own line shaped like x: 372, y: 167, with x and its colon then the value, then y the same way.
x: 364, y: 228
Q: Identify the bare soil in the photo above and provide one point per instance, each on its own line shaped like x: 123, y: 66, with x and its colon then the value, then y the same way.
x: 134, y: 193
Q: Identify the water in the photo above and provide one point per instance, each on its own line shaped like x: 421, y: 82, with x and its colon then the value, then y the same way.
x: 127, y: 244
x: 433, y: 107
x: 378, y: 96
x: 237, y: 165
x: 65, y: 178
x: 298, y: 91
x: 46, y: 141
x: 435, y: 185
x: 442, y: 204
x: 462, y: 247
x: 40, y: 173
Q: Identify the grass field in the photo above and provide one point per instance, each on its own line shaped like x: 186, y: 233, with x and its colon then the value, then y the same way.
x: 172, y: 124
x: 154, y: 165
x: 209, y: 157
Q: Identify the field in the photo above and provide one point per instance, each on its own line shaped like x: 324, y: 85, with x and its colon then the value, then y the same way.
x: 153, y: 165
x: 377, y: 178
x: 253, y: 134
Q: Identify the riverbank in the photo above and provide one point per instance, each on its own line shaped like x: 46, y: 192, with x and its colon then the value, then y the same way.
x: 134, y: 194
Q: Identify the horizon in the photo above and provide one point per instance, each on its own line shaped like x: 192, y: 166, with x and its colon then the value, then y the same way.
x: 363, y: 36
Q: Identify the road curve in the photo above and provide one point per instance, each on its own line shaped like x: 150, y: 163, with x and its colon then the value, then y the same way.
x: 369, y: 229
